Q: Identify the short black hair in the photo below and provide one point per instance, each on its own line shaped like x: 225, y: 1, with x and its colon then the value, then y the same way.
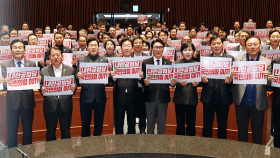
x: 55, y: 48
x: 3, y: 34
x: 215, y: 37
x: 173, y: 29
x: 186, y: 45
x: 16, y: 41
x: 136, y: 38
x: 150, y: 32
x: 60, y: 26
x: 32, y: 34
x: 120, y: 35
x: 58, y: 23
x: 269, y: 20
x: 202, y: 24
x: 164, y: 31
x: 224, y: 29
x: 92, y: 39
x: 13, y: 29
x: 211, y: 32
x: 193, y: 28
x: 126, y: 39
x: 109, y: 40
x: 70, y: 24
x: 38, y: 29
x: 89, y: 25
x: 106, y: 33
x: 237, y: 21
x: 57, y: 34
x: 25, y: 23
x: 250, y: 18
x: 252, y: 37
x: 147, y: 43
x: 159, y: 41
x: 68, y: 34
x: 47, y: 26
x: 182, y: 23
x: 272, y: 31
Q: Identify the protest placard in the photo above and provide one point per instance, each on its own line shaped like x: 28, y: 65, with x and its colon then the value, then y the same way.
x: 142, y: 19
x: 5, y: 53
x: 94, y: 73
x: 24, y: 34
x: 67, y: 59
x: 181, y: 34
x: 276, y: 75
x: 78, y: 54
x: 160, y: 73
x: 58, y: 85
x: 169, y: 53
x: 196, y: 43
x: 187, y: 71
x: 270, y: 54
x: 201, y: 35
x: 215, y: 67
x: 34, y: 53
x: 127, y: 67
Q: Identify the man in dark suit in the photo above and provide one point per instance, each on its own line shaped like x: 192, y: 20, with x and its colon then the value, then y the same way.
x: 126, y: 95
x: 216, y: 95
x: 251, y: 99
x: 58, y: 39
x: 129, y: 33
x: 18, y: 102
x: 276, y: 107
x: 156, y: 96
x: 93, y: 96
x: 163, y: 35
x: 224, y: 33
x: 141, y: 110
x: 243, y: 34
x: 57, y: 106
x: 82, y: 43
x: 274, y: 38
x: 173, y: 34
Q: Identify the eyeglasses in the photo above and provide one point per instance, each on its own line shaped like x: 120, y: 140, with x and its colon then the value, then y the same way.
x: 158, y: 48
x: 92, y: 45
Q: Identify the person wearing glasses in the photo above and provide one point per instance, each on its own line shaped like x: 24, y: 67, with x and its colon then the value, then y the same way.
x: 251, y: 99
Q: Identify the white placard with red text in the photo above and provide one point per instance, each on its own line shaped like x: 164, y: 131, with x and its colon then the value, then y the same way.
x: 54, y: 30
x: 146, y: 52
x: 102, y: 51
x: 67, y: 59
x: 72, y: 33
x: 58, y: 85
x: 43, y: 42
x: 75, y: 45
x: 66, y: 43
x: 34, y: 53
x: 119, y: 32
x: 169, y: 53
x: 235, y: 53
x: 262, y: 33
x: 23, y: 78
x: 119, y: 50
x: 78, y: 54
x: 249, y: 26
x: 179, y: 55
x: 276, y: 75
x: 175, y: 43
x: 49, y: 36
x: 127, y: 67
x: 196, y: 43
x: 187, y: 72
x: 110, y: 61
x: 116, y: 42
x: 92, y: 35
x: 24, y: 34
x: 231, y: 38
x: 230, y: 45
x: 1, y: 84
x: 94, y: 73
x: 5, y: 53
x: 159, y: 73
x: 181, y: 34
x: 215, y: 67
x: 201, y: 35
x: 205, y: 50
x: 249, y: 72
x: 142, y: 19
x: 271, y: 54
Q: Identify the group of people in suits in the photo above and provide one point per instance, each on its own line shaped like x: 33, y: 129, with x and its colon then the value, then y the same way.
x: 139, y: 97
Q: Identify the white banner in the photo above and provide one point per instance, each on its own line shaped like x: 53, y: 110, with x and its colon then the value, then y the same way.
x: 187, y: 72
x: 196, y: 43
x: 94, y: 73
x: 271, y: 54
x: 66, y: 43
x: 235, y: 53
x: 34, y: 53
x: 43, y: 42
x: 23, y: 78
x: 24, y: 34
x: 262, y: 33
x: 175, y: 43
x: 102, y: 51
x: 205, y: 50
x: 78, y: 54
x: 276, y: 75
x: 215, y: 67
x: 160, y: 73
x: 73, y: 34
x: 49, y: 37
x: 169, y: 53
x: 5, y: 53
x: 142, y: 19
x: 201, y: 35
x: 127, y: 67
x: 249, y: 72
x: 67, y: 59
x: 181, y: 34
x: 58, y: 85
x: 249, y: 26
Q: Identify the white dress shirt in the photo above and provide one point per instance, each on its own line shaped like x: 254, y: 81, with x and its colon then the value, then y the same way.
x: 155, y: 61
x: 274, y: 49
x: 16, y: 62
x: 57, y: 73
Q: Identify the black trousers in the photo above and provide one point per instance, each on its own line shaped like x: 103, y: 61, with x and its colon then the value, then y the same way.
x: 131, y: 116
x: 141, y: 111
x: 243, y: 113
x: 12, y: 121
x: 185, y: 114
x: 64, y: 122
x: 209, y: 109
x: 86, y: 115
x: 276, y: 118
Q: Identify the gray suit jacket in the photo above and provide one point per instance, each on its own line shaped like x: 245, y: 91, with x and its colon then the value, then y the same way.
x: 14, y: 97
x: 51, y: 102
x: 114, y: 55
x: 91, y: 91
x: 236, y: 48
x: 204, y: 43
x: 238, y: 90
x: 143, y: 54
x: 267, y: 47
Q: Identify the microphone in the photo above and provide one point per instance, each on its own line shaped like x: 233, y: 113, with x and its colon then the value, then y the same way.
x: 22, y: 152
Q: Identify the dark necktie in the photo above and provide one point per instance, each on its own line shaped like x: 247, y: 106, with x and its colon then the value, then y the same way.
x: 252, y: 60
x: 158, y: 62
x: 19, y: 64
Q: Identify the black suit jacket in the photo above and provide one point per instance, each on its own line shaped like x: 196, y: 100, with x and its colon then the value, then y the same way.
x: 14, y: 97
x: 64, y: 50
x: 276, y: 90
x: 143, y: 54
x: 225, y: 89
x: 91, y: 91
x: 132, y: 90
x: 150, y: 91
x: 51, y: 102
x: 185, y: 94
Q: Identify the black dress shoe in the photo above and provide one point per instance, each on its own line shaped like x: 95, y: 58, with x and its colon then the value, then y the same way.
x: 142, y: 132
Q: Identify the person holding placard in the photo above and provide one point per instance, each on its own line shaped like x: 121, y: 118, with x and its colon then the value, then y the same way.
x: 102, y: 28
x: 216, y: 95
x: 13, y: 32
x: 216, y: 29
x: 156, y: 96
x: 90, y: 29
x: 47, y: 29
x: 223, y: 34
x: 33, y: 40
x: 243, y: 35
x: 202, y: 27
x: 82, y: 43
x: 57, y: 106
x: 105, y: 36
x: 149, y: 35
x: 185, y: 96
x: 5, y: 28
x: 269, y: 24
x: 61, y: 29
x: 39, y: 32
x: 126, y: 95
x: 274, y: 38
x: 58, y: 39
x: 129, y: 33
x: 4, y: 39
x: 93, y: 96
x: 182, y: 26
x: 83, y: 32
x: 173, y: 34
x: 25, y: 26
x: 209, y: 35
x: 110, y: 47
x: 19, y: 103
x: 112, y: 31
x: 236, y: 27
x: 163, y: 35
x: 251, y: 99
x: 193, y: 32
x: 120, y: 37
